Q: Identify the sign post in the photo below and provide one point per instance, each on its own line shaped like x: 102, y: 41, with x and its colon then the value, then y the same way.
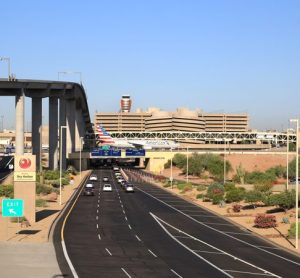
x: 25, y: 185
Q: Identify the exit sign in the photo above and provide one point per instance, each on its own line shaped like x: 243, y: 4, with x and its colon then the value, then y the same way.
x: 12, y: 207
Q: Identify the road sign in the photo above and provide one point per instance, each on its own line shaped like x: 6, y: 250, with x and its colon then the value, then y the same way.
x: 134, y: 152
x: 12, y: 207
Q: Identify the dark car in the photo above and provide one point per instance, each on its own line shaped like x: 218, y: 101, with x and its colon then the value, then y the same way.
x: 88, y: 191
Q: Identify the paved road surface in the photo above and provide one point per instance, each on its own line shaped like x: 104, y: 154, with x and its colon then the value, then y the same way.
x: 152, y: 233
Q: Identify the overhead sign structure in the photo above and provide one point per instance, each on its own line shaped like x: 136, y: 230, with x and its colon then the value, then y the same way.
x: 106, y: 153
x: 25, y: 168
x: 134, y: 152
x: 12, y: 207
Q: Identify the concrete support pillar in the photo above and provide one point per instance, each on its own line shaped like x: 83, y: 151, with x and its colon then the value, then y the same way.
x: 62, y: 132
x: 20, y: 115
x: 78, y: 133
x: 53, y: 133
x: 71, y: 115
x: 37, y: 129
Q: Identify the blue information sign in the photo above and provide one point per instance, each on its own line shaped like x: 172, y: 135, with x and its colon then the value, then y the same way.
x: 12, y: 207
x: 106, y: 153
x: 134, y: 152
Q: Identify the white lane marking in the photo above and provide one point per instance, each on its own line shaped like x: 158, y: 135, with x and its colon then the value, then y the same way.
x: 203, y: 215
x: 176, y: 273
x: 152, y: 253
x: 126, y: 218
x: 209, y: 252
x: 98, y: 205
x: 187, y: 237
x: 99, y: 236
x: 126, y: 272
x: 97, y: 211
x: 129, y: 227
x: 138, y: 238
x: 97, y: 217
x: 68, y: 260
x: 159, y: 220
x: 108, y: 251
x: 123, y: 211
x: 97, y: 226
x: 275, y: 248
x: 244, y: 234
x: 237, y: 239
x: 221, y: 224
x: 250, y: 273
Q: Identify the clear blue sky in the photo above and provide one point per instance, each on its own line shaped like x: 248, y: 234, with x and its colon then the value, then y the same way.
x: 218, y: 55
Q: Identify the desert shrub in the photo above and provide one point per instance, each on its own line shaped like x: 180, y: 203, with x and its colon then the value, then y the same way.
x: 236, y: 208
x: 265, y: 221
x: 41, y: 203
x: 292, y: 230
x: 71, y: 170
x: 186, y: 188
x: 264, y: 188
x: 222, y: 204
x: 217, y: 199
x: 201, y: 187
x: 235, y: 195
x: 229, y: 186
x: 285, y: 220
x: 240, y: 174
x: 51, y: 175
x: 179, y: 160
x: 167, y: 165
x: 260, y: 178
x: 42, y: 189
x: 278, y: 171
x: 284, y: 200
x: 166, y: 185
x: 292, y: 168
x: 199, y: 196
x: 215, y: 190
x: 253, y: 197
x: 17, y: 219
x: 7, y: 191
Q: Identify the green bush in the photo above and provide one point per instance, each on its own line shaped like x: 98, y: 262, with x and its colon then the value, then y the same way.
x: 166, y: 185
x: 7, y: 191
x: 17, y: 219
x: 284, y: 200
x: 167, y: 165
x: 215, y: 190
x: 43, y: 189
x: 187, y: 187
x: 235, y: 195
x: 254, y: 197
x: 292, y: 230
x: 41, y: 203
x: 229, y: 186
x: 217, y: 199
x: 260, y: 178
x: 51, y: 175
x: 201, y: 187
x: 277, y: 171
x: 199, y: 196
x: 179, y: 160
x: 71, y: 170
x: 264, y: 188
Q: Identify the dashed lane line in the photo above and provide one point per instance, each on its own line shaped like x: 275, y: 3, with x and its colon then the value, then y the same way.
x: 154, y: 255
x: 174, y: 272
x: 108, y: 251
x: 138, y: 238
x: 129, y: 227
x: 127, y: 274
x: 99, y: 236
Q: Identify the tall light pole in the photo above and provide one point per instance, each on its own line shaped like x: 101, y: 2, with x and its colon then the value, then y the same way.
x: 81, y: 138
x: 297, y: 177
x: 287, y: 157
x: 7, y: 59
x: 2, y: 123
x: 60, y: 160
x: 171, y: 178
x: 187, y: 165
x: 70, y: 72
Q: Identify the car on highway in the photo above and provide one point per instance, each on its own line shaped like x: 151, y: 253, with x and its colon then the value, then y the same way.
x: 107, y: 187
x: 129, y: 187
x: 93, y: 177
x: 105, y: 179
x: 89, y: 185
x: 120, y: 179
x: 116, y: 168
x: 117, y: 174
x: 88, y: 191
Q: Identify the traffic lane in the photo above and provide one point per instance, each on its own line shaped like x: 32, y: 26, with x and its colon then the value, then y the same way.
x: 94, y: 256
x: 122, y: 243
x: 177, y: 257
x: 227, y: 242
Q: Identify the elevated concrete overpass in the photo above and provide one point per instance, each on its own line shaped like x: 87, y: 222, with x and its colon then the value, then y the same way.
x: 67, y: 107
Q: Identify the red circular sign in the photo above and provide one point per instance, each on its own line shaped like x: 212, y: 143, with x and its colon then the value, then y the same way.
x: 25, y: 163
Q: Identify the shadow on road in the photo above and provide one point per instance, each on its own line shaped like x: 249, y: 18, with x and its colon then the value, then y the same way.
x: 40, y: 215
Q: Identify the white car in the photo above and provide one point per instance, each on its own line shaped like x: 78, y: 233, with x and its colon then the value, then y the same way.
x: 116, y: 168
x: 89, y: 185
x: 107, y: 187
x: 93, y: 177
x: 117, y: 174
x: 129, y: 188
x: 105, y: 179
x: 120, y: 179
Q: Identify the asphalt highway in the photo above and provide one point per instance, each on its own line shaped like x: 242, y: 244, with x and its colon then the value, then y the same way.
x: 152, y: 233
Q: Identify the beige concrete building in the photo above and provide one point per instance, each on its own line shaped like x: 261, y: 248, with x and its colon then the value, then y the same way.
x: 182, y: 119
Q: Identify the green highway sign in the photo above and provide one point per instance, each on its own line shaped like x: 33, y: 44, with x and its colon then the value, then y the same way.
x: 12, y: 207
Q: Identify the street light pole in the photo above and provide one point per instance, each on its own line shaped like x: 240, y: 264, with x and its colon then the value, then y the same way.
x: 80, y: 156
x: 297, y: 178
x: 287, y: 159
x: 171, y: 178
x: 2, y: 123
x: 7, y: 59
x: 224, y: 175
x: 187, y: 165
x: 60, y: 162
